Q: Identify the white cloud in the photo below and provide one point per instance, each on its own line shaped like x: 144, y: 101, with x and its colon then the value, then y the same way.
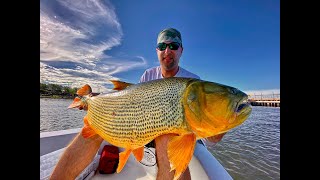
x: 75, y: 77
x: 78, y: 33
x: 129, y: 65
x: 74, y: 39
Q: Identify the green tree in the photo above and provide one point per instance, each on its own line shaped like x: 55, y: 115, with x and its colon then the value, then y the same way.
x: 55, y: 90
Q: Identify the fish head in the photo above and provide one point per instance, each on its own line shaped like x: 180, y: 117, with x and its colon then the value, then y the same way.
x: 213, y: 108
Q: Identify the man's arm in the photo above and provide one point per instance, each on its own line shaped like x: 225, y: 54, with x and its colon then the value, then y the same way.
x: 163, y: 161
x: 79, y: 153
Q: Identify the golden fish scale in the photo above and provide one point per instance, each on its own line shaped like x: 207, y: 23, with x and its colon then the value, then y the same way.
x: 135, y: 116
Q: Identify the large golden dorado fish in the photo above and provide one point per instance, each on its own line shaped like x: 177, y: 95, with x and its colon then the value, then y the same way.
x: 138, y: 113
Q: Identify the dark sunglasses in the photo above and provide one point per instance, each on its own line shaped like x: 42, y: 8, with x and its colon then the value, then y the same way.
x: 172, y: 46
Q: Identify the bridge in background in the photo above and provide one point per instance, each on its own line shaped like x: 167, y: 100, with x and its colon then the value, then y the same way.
x: 272, y: 100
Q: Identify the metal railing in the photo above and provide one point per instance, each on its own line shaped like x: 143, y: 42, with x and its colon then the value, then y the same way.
x: 264, y: 97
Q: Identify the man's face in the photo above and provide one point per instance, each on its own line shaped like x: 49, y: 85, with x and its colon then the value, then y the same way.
x: 169, y: 59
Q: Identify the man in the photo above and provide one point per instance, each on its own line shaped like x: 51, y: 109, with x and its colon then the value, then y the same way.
x: 80, y: 152
x: 169, y: 50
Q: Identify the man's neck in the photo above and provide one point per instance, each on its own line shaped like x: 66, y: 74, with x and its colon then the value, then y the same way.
x: 169, y: 73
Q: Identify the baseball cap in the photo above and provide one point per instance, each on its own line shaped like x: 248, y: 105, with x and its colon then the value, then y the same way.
x: 169, y: 34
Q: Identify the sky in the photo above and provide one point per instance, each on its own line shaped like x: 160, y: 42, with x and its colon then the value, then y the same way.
x: 236, y: 42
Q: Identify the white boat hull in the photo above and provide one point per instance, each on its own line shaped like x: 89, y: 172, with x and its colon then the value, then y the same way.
x: 203, y: 166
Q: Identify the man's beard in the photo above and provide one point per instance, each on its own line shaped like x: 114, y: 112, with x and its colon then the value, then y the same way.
x: 169, y: 66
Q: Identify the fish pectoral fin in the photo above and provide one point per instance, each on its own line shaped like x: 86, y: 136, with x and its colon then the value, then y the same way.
x: 180, y: 152
x: 87, y: 131
x: 123, y: 157
x: 119, y: 85
x: 138, y: 153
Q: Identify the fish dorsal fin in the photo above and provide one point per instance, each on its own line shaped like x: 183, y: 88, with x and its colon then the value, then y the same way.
x: 85, y: 90
x: 120, y: 85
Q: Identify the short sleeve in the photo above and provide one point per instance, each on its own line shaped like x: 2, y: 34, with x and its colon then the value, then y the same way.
x: 143, y: 77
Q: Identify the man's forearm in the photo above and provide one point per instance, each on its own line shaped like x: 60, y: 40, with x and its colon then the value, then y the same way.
x: 162, y: 158
x: 79, y: 153
x: 163, y: 161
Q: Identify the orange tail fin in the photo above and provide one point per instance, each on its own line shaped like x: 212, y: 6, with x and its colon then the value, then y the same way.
x: 76, y: 103
x: 85, y: 90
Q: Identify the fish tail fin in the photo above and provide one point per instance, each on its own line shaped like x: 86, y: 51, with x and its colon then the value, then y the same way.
x: 120, y: 85
x: 84, y: 90
x: 78, y: 102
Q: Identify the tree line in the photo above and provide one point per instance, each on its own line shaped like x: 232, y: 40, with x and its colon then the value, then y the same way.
x: 57, y: 91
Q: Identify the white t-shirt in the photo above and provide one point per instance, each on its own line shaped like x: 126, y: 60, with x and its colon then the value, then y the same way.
x: 149, y: 158
x: 155, y: 73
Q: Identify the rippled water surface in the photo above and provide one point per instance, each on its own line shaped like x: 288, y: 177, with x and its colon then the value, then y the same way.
x: 250, y: 151
x: 55, y: 115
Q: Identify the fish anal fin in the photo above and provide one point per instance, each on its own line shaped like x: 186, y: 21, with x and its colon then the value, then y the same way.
x: 123, y: 157
x: 120, y: 85
x: 84, y: 90
x: 87, y: 131
x: 180, y: 152
x: 138, y: 153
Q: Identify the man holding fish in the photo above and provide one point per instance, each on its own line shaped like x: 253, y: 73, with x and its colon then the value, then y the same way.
x: 169, y: 50
x: 81, y: 151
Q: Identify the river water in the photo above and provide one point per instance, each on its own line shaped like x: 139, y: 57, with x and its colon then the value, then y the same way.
x: 250, y: 151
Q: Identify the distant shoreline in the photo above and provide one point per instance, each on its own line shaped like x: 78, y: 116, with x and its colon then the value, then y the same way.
x: 56, y: 97
x: 55, y: 91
